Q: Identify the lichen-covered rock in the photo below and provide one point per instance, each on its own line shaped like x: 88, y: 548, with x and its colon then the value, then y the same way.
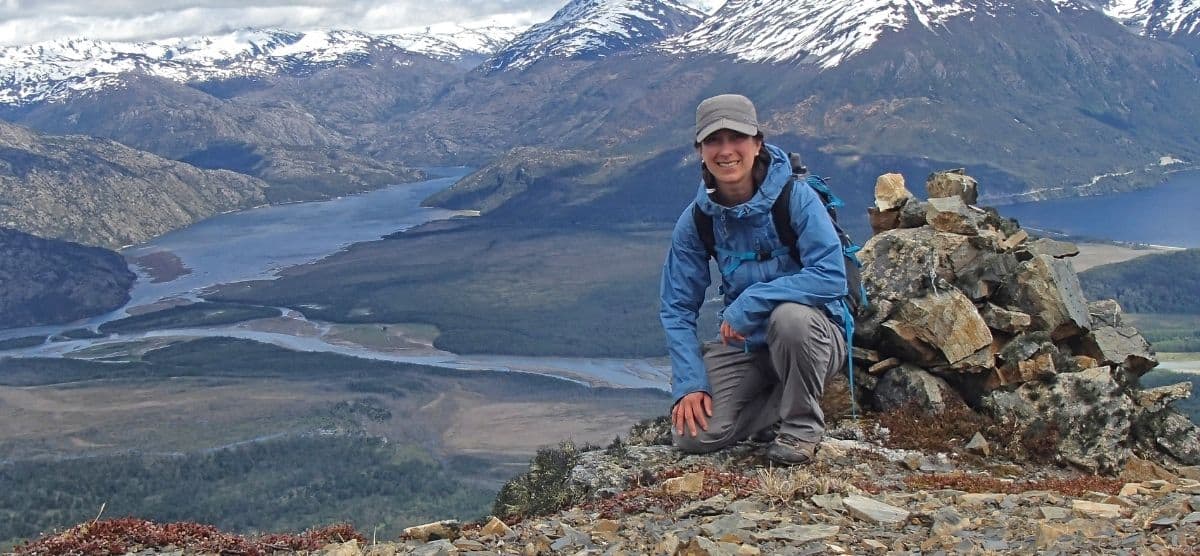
x: 1089, y: 410
x: 953, y: 183
x: 1168, y: 431
x: 1048, y: 290
x: 910, y: 384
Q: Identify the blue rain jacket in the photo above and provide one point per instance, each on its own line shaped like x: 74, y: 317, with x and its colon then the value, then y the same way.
x: 751, y: 289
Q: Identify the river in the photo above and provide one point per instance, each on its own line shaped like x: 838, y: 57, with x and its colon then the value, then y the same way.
x: 257, y: 243
x: 1160, y: 215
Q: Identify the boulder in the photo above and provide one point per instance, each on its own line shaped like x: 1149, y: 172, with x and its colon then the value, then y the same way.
x: 1048, y: 290
x: 952, y: 215
x: 890, y: 192
x: 953, y: 183
x: 1168, y: 432
x: 945, y: 324
x: 910, y: 384
x: 448, y: 529
x: 1158, y: 399
x: 1088, y: 410
x: 1124, y: 345
x: 1004, y: 320
x: 883, y: 220
x: 913, y: 213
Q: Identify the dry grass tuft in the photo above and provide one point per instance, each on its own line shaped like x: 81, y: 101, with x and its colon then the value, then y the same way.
x: 786, y: 484
x: 648, y: 494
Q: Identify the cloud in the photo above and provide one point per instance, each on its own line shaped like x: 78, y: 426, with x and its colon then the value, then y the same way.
x: 32, y: 21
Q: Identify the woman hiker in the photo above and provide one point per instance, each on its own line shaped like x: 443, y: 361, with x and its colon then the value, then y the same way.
x: 781, y: 334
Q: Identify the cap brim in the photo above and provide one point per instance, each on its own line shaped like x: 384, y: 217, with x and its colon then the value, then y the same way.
x: 726, y: 123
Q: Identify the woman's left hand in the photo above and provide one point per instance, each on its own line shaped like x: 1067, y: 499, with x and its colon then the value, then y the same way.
x: 728, y: 334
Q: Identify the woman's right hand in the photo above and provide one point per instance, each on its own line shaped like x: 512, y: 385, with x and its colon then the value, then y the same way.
x: 692, y: 410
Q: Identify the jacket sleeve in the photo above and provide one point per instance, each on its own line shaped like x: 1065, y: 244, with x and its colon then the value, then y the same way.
x: 685, y: 278
x: 822, y: 280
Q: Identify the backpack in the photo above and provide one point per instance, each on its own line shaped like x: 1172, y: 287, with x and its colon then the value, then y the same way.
x: 781, y: 215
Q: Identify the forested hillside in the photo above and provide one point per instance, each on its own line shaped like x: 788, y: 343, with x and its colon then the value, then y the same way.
x: 1166, y: 283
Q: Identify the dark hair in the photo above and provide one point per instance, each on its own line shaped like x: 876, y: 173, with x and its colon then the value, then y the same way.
x: 761, y: 163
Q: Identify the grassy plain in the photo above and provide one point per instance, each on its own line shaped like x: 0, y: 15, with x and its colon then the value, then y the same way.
x: 183, y: 316
x: 178, y: 404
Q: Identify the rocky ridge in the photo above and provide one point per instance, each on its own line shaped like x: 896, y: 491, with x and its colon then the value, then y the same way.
x: 49, y: 281
x: 98, y: 192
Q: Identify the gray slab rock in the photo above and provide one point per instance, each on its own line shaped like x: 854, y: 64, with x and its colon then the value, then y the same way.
x: 1052, y: 247
x: 799, y: 534
x: 1123, y: 345
x: 874, y: 511
x: 953, y: 183
x: 1048, y: 290
x: 1169, y: 432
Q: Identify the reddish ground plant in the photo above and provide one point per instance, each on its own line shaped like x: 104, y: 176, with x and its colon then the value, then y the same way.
x: 649, y: 494
x: 118, y: 536
x: 913, y: 428
x: 1068, y: 486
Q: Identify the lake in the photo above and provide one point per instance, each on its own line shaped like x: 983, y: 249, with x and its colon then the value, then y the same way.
x: 1161, y: 215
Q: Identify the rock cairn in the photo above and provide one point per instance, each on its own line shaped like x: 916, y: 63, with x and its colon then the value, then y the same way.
x: 966, y: 307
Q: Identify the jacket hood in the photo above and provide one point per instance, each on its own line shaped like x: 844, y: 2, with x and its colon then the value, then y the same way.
x: 778, y: 174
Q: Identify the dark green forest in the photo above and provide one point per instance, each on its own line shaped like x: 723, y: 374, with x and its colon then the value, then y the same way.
x: 288, y: 484
x: 1167, y: 283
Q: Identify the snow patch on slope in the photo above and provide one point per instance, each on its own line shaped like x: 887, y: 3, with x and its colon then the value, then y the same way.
x: 56, y: 70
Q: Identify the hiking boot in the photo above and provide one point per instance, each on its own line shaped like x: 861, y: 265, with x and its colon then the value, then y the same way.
x: 789, y: 450
x: 766, y: 435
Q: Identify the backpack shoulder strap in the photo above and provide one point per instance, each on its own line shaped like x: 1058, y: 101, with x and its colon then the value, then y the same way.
x: 704, y: 228
x: 781, y: 214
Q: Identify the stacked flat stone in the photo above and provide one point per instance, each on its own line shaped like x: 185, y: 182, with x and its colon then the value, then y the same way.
x: 966, y: 306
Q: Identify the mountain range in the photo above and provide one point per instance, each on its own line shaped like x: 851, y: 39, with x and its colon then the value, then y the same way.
x: 1041, y: 97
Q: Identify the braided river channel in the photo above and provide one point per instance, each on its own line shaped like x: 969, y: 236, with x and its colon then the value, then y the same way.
x: 255, y: 244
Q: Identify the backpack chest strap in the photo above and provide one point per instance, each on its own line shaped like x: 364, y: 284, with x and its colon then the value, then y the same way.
x: 740, y: 257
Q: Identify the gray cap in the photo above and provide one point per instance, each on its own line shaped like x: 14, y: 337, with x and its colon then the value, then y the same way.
x: 734, y: 112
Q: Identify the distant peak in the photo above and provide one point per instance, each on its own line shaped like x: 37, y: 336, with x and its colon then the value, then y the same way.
x: 595, y: 29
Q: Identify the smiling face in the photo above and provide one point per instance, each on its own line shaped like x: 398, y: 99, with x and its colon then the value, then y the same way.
x: 729, y: 156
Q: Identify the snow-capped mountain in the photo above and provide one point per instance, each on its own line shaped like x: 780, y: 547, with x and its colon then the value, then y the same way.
x: 822, y: 33
x: 55, y: 70
x: 595, y: 29
x: 1161, y: 19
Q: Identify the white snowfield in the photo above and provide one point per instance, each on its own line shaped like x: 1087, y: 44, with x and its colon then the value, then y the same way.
x: 57, y: 69
x: 1157, y: 18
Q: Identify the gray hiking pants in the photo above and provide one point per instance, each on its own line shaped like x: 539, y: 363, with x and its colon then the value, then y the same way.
x: 783, y: 383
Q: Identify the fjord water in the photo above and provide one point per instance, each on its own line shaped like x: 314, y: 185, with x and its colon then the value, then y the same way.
x: 1162, y: 215
x: 255, y: 244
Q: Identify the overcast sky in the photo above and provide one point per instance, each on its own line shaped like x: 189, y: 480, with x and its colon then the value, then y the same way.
x: 30, y: 21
